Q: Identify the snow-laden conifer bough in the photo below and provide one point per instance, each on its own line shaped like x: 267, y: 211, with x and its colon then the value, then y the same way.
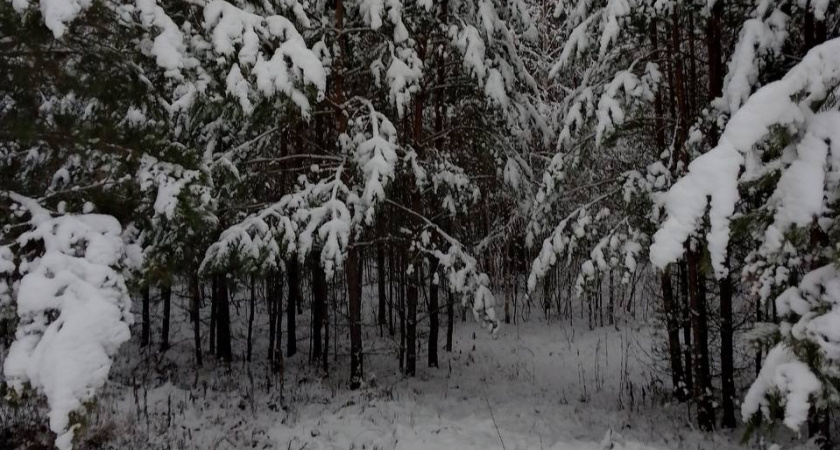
x: 73, y: 306
x: 807, y: 189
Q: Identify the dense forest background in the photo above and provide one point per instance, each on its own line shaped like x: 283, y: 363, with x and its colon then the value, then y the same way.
x: 209, y: 192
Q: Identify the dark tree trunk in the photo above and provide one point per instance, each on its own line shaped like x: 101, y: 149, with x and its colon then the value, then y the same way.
x: 433, y: 315
x: 271, y: 305
x: 440, y: 113
x: 380, y: 284
x: 354, y: 293
x: 611, y: 307
x: 699, y: 325
x: 600, y: 300
x: 714, y: 49
x: 277, y: 359
x: 450, y: 320
x: 727, y: 366
x: 195, y: 317
x: 325, y: 360
x: 685, y: 309
x: 392, y: 268
x: 679, y: 87
x: 319, y: 304
x: 166, y: 296
x: 411, y: 323
x: 214, y: 308
x: 669, y: 307
x: 401, y: 311
x: 251, y: 309
x: 508, y: 289
x: 819, y: 427
x: 658, y: 107
x: 223, y: 344
x: 145, y: 331
x: 294, y: 299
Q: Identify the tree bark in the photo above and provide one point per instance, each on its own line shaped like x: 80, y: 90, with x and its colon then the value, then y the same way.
x: 293, y: 268
x: 393, y: 279
x: 685, y: 310
x: 714, y: 49
x: 223, y: 344
x: 699, y: 325
x: 380, y: 284
x: 319, y: 300
x: 277, y: 357
x: 727, y: 366
x: 669, y: 307
x: 214, y: 306
x: 166, y: 296
x: 195, y: 317
x: 403, y: 289
x: 611, y: 307
x: 433, y: 315
x: 325, y: 360
x: 450, y: 320
x: 145, y: 331
x: 251, y: 310
x: 411, y: 323
x: 354, y: 293
x: 271, y: 305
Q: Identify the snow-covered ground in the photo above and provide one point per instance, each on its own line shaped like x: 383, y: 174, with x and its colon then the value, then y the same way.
x: 534, y: 386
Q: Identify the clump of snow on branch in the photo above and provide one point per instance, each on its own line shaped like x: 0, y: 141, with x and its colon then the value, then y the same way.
x: 74, y: 310
x: 232, y: 27
x: 258, y: 243
x: 714, y: 175
x: 57, y: 13
x: 810, y: 316
x: 376, y: 155
x: 169, y: 182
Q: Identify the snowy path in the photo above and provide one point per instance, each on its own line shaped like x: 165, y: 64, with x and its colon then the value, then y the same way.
x: 548, y: 388
x: 538, y: 387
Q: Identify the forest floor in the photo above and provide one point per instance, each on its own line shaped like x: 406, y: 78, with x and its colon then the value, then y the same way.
x: 534, y: 386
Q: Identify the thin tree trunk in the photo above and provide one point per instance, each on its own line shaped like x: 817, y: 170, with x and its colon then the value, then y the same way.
x: 277, y: 358
x: 214, y: 307
x: 702, y: 381
x: 195, y: 317
x: 223, y: 344
x: 271, y: 304
x: 450, y: 320
x: 354, y: 293
x: 319, y: 297
x: 714, y: 49
x: 411, y: 323
x: 380, y: 284
x: 294, y: 299
x: 325, y: 360
x: 611, y: 307
x: 685, y: 309
x: 433, y: 314
x: 679, y: 88
x: 673, y: 327
x: 401, y: 311
x: 393, y: 279
x: 251, y: 310
x: 166, y: 296
x: 507, y: 282
x: 727, y: 366
x: 145, y: 332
